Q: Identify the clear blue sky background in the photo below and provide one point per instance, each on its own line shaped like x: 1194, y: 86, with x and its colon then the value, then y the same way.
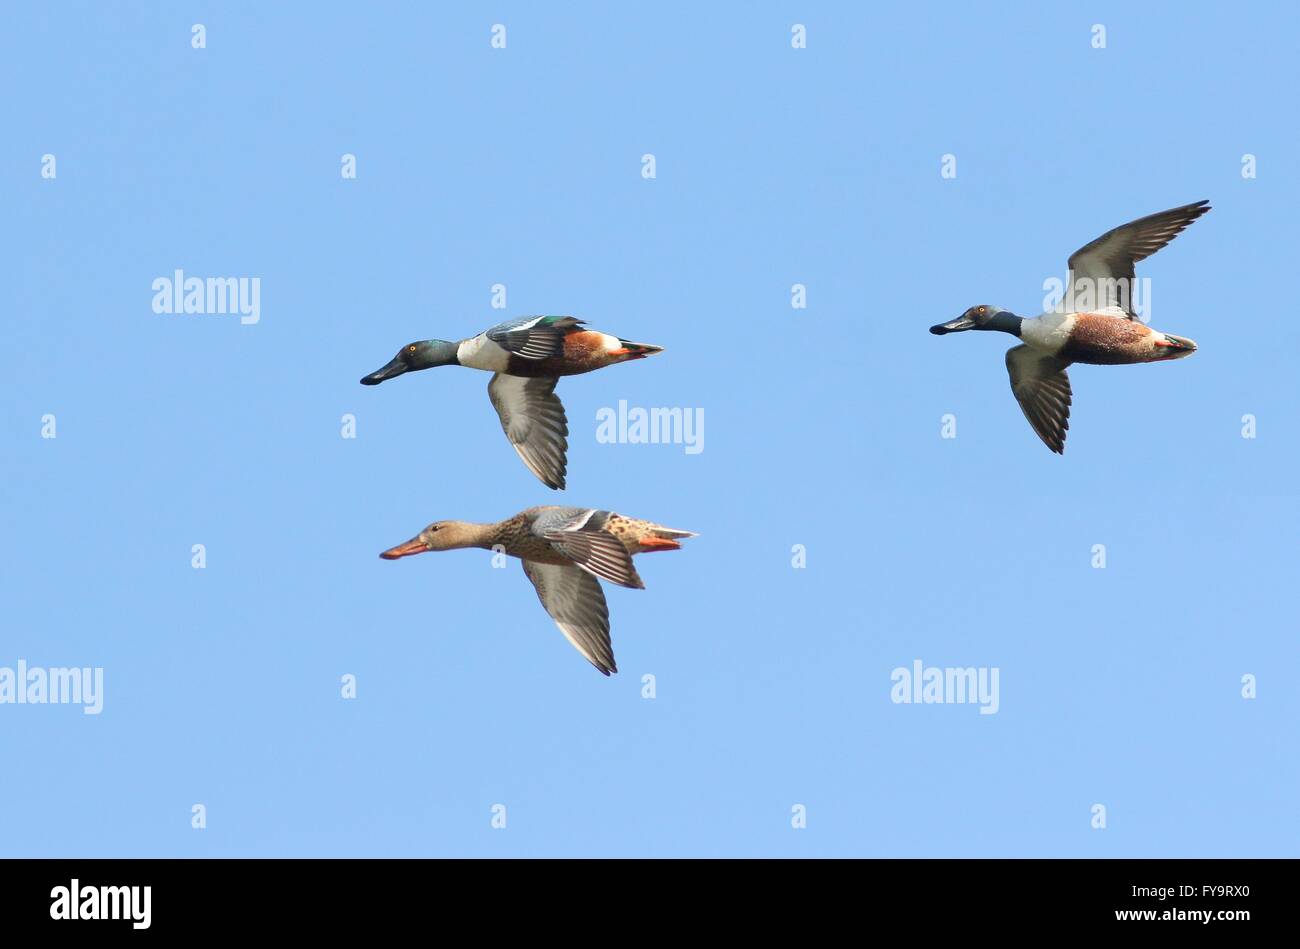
x: 522, y: 166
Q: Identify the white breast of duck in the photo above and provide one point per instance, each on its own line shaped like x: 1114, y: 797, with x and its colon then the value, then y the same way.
x: 1049, y: 332
x: 479, y: 352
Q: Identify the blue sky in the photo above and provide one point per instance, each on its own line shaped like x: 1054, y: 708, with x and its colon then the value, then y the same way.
x: 522, y: 166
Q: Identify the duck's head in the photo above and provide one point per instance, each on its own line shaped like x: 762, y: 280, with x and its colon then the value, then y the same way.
x: 440, y: 535
x: 985, y: 316
x: 424, y: 354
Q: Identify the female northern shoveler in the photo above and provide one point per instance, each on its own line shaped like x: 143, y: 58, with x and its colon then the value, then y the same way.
x: 1106, y: 334
x: 526, y: 357
x: 564, y: 550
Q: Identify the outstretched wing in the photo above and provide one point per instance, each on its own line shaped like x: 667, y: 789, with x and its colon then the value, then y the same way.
x: 534, y: 337
x: 1042, y: 388
x: 1110, y: 259
x: 579, y: 534
x: 576, y: 602
x: 532, y: 417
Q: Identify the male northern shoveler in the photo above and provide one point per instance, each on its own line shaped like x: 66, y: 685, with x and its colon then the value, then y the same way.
x: 564, y: 550
x: 1107, y: 334
x: 527, y: 357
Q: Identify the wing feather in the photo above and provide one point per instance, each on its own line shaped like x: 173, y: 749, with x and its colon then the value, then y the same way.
x: 1041, y: 386
x: 574, y: 599
x: 1102, y: 271
x: 532, y: 417
x: 534, y: 337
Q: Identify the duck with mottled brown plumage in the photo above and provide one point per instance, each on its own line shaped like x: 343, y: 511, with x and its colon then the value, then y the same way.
x: 564, y: 550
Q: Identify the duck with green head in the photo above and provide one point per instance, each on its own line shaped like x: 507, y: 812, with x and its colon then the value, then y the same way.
x: 526, y: 358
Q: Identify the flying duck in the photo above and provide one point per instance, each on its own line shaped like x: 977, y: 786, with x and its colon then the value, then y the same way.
x: 564, y: 550
x: 526, y: 358
x: 1095, y: 323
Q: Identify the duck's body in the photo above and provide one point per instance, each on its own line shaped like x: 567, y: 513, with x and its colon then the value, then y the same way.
x: 1107, y: 335
x: 499, y: 350
x: 1101, y: 339
x: 526, y: 357
x: 564, y: 550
